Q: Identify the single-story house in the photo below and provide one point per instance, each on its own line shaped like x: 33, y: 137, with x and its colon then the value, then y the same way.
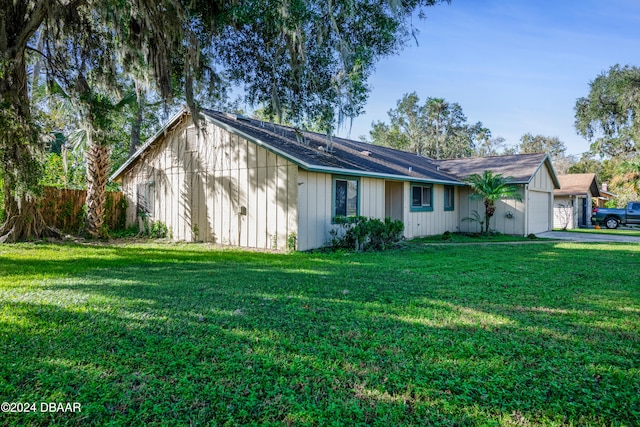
x: 245, y: 182
x: 574, y: 199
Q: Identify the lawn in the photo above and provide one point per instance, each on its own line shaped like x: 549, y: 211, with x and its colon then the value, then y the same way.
x: 634, y: 232
x: 455, y: 335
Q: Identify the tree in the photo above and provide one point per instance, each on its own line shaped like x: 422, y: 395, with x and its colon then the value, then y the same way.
x: 542, y: 144
x: 436, y: 129
x: 491, y: 188
x: 20, y: 147
x: 603, y: 168
x: 547, y: 144
x: 609, y: 117
x: 485, y: 145
x: 626, y: 182
x: 310, y: 57
x: 448, y: 131
x: 408, y: 129
x: 143, y: 36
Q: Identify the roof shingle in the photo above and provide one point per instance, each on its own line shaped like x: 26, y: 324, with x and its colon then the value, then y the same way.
x: 309, y: 151
x: 577, y: 184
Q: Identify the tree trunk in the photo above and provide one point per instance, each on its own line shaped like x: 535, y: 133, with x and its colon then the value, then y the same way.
x: 97, y: 175
x: 23, y: 220
x: 136, y: 125
x: 20, y: 151
x: 490, y: 209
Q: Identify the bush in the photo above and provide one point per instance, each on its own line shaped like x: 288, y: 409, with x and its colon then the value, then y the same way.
x: 154, y: 229
x: 365, y: 234
x: 159, y: 230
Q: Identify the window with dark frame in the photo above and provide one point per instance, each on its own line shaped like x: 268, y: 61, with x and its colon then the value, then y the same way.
x: 422, y: 197
x: 345, y: 201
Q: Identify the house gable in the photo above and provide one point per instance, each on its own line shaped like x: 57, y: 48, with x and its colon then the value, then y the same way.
x: 214, y: 186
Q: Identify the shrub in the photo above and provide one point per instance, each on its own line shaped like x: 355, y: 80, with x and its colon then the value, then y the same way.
x: 365, y: 234
x: 159, y: 230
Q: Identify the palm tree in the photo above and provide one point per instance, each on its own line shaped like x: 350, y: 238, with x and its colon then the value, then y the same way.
x: 492, y: 187
x: 626, y: 181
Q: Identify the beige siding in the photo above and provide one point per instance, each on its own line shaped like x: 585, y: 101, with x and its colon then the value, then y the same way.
x: 315, y: 191
x: 565, y: 213
x: 509, y: 217
x: 542, y: 180
x: 540, y: 202
x: 372, y: 197
x: 314, y: 209
x: 217, y: 187
x: 429, y: 223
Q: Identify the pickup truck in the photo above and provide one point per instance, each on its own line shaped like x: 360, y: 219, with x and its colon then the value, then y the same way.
x: 612, y: 218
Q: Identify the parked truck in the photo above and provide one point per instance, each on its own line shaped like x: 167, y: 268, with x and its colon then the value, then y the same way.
x: 612, y: 218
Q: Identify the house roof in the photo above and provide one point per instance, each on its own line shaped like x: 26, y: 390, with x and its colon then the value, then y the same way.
x: 519, y: 167
x: 577, y: 184
x: 347, y: 157
x: 308, y: 150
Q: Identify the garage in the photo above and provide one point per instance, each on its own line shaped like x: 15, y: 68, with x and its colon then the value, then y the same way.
x: 539, y: 204
x: 535, y: 178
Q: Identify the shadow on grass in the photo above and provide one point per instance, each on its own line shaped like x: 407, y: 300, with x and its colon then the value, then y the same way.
x: 437, y: 336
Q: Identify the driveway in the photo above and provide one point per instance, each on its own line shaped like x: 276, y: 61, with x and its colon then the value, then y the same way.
x: 588, y: 237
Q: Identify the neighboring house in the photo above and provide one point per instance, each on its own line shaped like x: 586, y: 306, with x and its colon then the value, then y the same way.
x: 245, y: 182
x: 605, y: 196
x: 573, y: 201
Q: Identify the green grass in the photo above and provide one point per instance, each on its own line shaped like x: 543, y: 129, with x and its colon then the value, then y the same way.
x: 635, y: 232
x: 467, y: 238
x: 543, y: 334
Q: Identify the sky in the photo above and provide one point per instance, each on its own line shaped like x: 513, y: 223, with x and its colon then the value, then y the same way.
x: 518, y: 66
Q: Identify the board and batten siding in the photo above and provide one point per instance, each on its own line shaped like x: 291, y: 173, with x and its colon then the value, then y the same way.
x: 315, y: 204
x: 512, y: 216
x: 314, y: 209
x: 509, y: 217
x: 217, y: 187
x: 429, y: 223
x: 540, y: 202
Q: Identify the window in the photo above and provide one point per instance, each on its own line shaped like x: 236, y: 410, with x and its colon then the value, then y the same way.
x: 449, y: 197
x: 345, y: 196
x: 421, y: 197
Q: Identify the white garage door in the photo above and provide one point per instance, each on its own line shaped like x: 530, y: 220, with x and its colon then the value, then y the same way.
x: 539, y: 212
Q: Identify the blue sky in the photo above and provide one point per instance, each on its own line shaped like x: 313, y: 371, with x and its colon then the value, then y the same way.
x: 518, y: 66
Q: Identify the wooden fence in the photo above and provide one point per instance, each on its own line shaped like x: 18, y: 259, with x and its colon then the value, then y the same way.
x: 64, y: 209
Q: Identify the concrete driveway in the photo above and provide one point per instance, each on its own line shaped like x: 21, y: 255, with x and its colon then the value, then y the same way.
x: 588, y: 237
